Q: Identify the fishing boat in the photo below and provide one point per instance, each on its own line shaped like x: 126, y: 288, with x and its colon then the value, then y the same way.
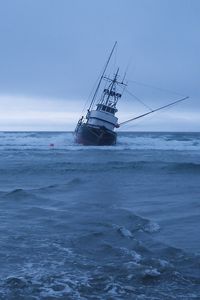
x: 99, y: 125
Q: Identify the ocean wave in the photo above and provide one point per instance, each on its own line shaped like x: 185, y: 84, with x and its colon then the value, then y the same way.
x: 129, y: 277
x: 151, y: 227
x: 65, y: 235
x: 60, y: 186
x: 17, y: 194
x: 139, y: 165
x: 159, y: 142
x: 185, y: 167
x: 126, y: 141
x: 20, y: 194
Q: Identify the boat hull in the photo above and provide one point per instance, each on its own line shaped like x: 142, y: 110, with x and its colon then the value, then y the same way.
x: 93, y: 135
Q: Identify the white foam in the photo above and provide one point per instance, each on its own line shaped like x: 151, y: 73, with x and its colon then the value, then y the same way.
x: 65, y: 140
x: 124, y: 231
x: 153, y: 272
x: 151, y: 227
x: 136, y: 256
x: 161, y: 142
x: 164, y: 263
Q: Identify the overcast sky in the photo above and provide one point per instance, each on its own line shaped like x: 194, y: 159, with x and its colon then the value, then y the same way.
x: 52, y: 51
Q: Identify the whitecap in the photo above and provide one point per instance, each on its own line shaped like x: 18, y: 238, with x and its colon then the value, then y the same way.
x: 123, y: 231
x: 152, y: 272
x: 151, y: 227
x: 136, y: 256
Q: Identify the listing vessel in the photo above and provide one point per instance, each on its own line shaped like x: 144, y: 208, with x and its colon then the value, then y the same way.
x: 98, y: 126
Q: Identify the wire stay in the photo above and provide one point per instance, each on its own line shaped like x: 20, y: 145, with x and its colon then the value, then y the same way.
x: 154, y: 110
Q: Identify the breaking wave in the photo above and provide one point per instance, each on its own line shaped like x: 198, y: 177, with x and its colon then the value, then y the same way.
x: 126, y: 140
x: 100, y: 223
x: 116, y: 256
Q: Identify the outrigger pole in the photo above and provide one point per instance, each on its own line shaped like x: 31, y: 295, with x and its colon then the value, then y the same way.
x: 95, y: 93
x: 152, y: 111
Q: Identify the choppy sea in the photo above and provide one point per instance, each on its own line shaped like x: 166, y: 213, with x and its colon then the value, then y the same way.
x: 118, y: 222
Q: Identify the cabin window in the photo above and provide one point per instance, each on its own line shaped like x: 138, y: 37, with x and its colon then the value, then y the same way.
x: 108, y: 109
x: 99, y: 107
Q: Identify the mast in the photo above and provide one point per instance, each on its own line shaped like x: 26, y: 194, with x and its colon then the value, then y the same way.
x: 112, y: 85
x: 95, y: 93
x: 110, y: 96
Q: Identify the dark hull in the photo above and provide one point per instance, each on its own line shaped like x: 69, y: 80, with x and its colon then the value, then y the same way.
x: 97, y: 136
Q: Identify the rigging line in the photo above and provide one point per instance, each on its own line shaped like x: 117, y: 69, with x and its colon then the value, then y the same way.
x: 93, y: 88
x: 138, y: 99
x: 127, y: 67
x: 114, y: 65
x: 105, y: 68
x: 123, y: 89
x: 150, y: 112
x: 157, y: 88
x: 91, y: 92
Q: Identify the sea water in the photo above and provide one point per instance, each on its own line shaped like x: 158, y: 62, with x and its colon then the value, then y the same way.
x: 117, y: 222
